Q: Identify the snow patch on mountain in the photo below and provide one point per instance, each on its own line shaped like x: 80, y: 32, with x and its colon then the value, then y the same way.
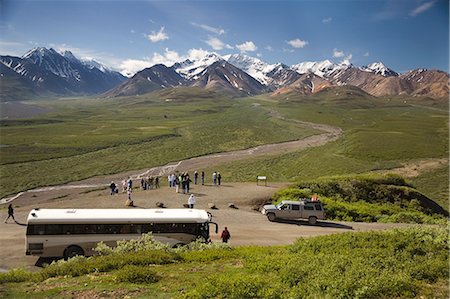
x: 320, y: 68
x: 255, y: 67
x: 379, y: 68
x: 193, y: 69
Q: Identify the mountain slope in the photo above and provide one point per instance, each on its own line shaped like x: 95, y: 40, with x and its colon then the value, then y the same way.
x: 150, y: 79
x: 430, y: 83
x: 306, y: 84
x: 47, y: 71
x: 225, y: 77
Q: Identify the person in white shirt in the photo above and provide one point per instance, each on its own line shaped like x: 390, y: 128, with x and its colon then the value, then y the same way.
x: 191, y: 201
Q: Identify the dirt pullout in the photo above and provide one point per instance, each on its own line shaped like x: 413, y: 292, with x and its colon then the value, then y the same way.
x: 247, y: 226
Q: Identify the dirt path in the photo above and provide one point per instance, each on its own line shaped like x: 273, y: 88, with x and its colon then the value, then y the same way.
x: 415, y: 168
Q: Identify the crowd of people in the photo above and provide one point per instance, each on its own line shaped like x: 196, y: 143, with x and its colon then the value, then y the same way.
x: 180, y: 181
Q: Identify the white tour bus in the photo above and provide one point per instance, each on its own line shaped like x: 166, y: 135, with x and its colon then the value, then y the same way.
x: 69, y: 232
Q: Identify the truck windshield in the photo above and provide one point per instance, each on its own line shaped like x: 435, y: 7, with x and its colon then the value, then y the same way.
x: 278, y: 206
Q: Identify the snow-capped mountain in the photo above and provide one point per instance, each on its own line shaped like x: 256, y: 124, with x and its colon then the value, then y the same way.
x: 380, y: 69
x: 255, y: 67
x: 192, y: 69
x: 150, y: 79
x: 225, y: 77
x: 61, y: 73
x: 43, y: 71
x: 320, y: 68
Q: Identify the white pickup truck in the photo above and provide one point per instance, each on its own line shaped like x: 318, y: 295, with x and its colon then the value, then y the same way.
x: 286, y: 209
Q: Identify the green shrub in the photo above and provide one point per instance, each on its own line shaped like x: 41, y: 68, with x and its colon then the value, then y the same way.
x: 15, y: 275
x: 238, y: 285
x: 78, y: 266
x: 368, y: 198
x: 137, y: 274
x: 145, y: 242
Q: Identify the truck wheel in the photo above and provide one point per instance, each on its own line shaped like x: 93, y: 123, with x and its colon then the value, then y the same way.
x: 72, y: 251
x: 271, y: 217
x: 312, y: 220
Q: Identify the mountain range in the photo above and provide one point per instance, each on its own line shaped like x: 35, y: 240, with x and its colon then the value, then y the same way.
x: 43, y: 71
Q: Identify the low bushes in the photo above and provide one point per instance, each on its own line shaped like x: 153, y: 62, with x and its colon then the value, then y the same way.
x: 401, y: 263
x: 137, y: 274
x: 368, y: 198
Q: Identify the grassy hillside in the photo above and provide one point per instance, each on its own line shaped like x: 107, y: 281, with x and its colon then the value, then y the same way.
x: 381, y: 137
x: 368, y: 198
x: 406, y: 263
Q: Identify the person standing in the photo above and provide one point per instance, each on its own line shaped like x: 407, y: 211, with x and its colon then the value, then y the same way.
x: 203, y: 177
x: 10, y: 213
x: 129, y: 201
x: 191, y: 201
x: 113, y: 187
x: 157, y: 182
x: 219, y: 178
x: 188, y: 183
x: 214, y: 178
x: 176, y: 181
x: 225, y: 236
x: 195, y: 177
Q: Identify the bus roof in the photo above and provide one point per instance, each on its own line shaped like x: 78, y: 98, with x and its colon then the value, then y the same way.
x: 117, y: 216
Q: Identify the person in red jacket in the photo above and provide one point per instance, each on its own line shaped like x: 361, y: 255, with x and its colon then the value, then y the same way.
x: 225, y: 236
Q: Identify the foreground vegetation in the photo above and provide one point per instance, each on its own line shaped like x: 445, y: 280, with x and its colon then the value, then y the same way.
x: 368, y: 198
x: 403, y: 263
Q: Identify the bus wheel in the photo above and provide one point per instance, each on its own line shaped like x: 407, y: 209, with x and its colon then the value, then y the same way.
x: 72, y: 251
x: 271, y: 217
x: 312, y: 220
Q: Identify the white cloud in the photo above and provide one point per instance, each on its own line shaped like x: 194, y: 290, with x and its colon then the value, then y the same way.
x: 269, y: 48
x: 288, y: 50
x: 130, y: 67
x: 158, y: 36
x: 195, y: 54
x: 248, y: 46
x: 347, y: 59
x: 259, y: 55
x: 168, y: 58
x: 132, y: 31
x: 422, y: 8
x: 337, y: 53
x: 215, y: 43
x: 212, y: 29
x: 366, y: 54
x: 327, y: 20
x: 297, y: 43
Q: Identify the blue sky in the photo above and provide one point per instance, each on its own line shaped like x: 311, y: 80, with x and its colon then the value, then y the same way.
x: 132, y: 35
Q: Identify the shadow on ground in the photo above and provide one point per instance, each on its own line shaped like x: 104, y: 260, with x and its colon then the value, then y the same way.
x: 319, y: 223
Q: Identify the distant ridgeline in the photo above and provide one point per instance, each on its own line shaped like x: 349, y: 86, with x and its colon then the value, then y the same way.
x: 44, y: 72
